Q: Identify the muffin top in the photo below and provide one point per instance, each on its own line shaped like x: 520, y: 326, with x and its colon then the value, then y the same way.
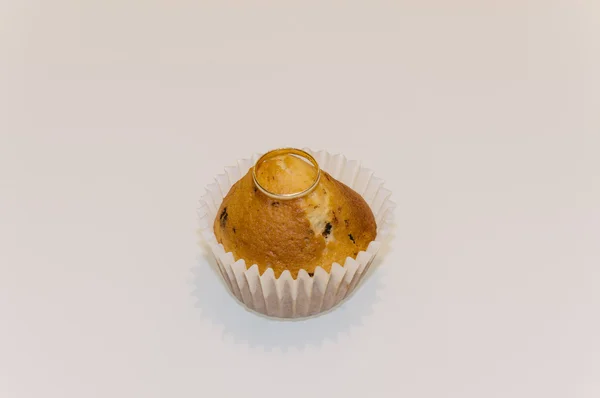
x: 326, y: 226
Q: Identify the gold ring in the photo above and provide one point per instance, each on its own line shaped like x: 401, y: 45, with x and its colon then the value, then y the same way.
x: 285, y: 151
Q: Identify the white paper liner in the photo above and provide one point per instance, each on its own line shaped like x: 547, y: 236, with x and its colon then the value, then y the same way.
x: 305, y: 296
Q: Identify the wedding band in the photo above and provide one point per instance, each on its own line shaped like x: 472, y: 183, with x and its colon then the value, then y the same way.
x: 286, y: 151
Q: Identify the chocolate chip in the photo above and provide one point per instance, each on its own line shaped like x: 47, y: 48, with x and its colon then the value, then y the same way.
x: 223, y: 217
x: 255, y: 189
x: 311, y: 274
x: 234, y: 230
x: 351, y: 238
x: 275, y: 204
x: 327, y: 230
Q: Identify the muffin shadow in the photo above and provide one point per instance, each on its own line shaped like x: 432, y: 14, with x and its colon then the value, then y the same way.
x: 220, y: 307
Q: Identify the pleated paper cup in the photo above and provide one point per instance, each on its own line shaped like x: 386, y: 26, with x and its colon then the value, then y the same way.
x: 305, y: 296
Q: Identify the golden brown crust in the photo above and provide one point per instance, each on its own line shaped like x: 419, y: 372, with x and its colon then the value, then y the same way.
x: 330, y: 224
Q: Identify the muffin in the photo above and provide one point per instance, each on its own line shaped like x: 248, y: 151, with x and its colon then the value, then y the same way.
x: 323, y: 227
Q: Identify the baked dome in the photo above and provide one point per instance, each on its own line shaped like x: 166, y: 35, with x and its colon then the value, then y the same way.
x: 326, y: 226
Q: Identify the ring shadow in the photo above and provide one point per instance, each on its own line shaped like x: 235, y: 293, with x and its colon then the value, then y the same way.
x: 220, y: 307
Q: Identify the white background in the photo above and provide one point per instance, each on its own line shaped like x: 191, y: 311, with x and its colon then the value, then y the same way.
x: 482, y: 117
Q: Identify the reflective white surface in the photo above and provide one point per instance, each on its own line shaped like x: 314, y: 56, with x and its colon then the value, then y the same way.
x: 114, y: 115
